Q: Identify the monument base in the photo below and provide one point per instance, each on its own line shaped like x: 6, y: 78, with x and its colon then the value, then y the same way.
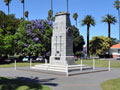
x: 62, y: 60
x: 60, y: 68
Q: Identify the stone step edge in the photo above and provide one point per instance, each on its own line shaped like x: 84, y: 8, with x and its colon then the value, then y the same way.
x: 49, y: 69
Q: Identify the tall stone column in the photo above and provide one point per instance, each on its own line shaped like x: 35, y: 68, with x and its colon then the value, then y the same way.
x: 62, y: 42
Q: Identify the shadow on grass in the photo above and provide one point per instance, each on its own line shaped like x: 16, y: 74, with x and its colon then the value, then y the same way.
x: 37, y: 80
x: 22, y: 83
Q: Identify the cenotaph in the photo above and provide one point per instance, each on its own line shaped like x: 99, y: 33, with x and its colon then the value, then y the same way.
x: 62, y: 42
x: 61, y: 58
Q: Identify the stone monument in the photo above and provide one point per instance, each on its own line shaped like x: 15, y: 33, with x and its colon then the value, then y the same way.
x: 62, y: 42
x: 61, y: 58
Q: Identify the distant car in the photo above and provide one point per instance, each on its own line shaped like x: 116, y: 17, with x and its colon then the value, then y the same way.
x: 118, y: 57
x: 26, y: 59
x: 40, y: 58
x: 10, y: 59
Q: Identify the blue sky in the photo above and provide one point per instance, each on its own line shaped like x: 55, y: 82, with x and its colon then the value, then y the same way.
x: 38, y: 9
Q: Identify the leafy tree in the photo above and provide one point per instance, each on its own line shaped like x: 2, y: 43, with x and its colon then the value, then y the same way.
x: 100, y: 45
x: 20, y: 37
x: 75, y: 16
x: 114, y: 41
x: 1, y: 42
x: 23, y: 2
x: 8, y: 27
x: 34, y: 37
x: 78, y: 41
x: 7, y: 2
x: 110, y: 20
x: 26, y: 14
x: 117, y: 6
x: 8, y: 23
x: 89, y: 21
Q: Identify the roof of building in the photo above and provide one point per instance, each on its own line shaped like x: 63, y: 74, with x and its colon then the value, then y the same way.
x: 116, y: 46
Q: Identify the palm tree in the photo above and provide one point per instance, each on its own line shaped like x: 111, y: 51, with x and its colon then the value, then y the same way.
x: 75, y: 16
x: 110, y: 20
x: 50, y: 13
x: 51, y: 5
x: 117, y: 6
x: 89, y: 21
x: 7, y: 2
x: 67, y: 7
x: 26, y: 15
x: 22, y: 1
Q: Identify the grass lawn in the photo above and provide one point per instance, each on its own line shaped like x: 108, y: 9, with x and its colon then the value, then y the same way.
x: 101, y: 63
x: 113, y: 84
x: 23, y: 64
x: 14, y: 84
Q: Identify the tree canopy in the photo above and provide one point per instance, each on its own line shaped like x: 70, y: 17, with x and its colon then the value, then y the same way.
x: 26, y: 38
x: 117, y: 4
x: 100, y: 45
x: 34, y: 37
x: 110, y: 20
x: 78, y: 41
x: 8, y: 27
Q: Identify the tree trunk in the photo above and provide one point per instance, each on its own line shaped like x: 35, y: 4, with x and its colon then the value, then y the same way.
x: 8, y: 8
x: 51, y: 5
x: 27, y: 18
x: 67, y: 7
x: 119, y: 22
x: 52, y: 11
x: 76, y: 22
x: 109, y: 32
x: 23, y: 9
x: 109, y: 36
x: 88, y: 26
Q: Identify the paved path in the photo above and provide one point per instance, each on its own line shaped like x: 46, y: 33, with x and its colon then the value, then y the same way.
x: 81, y: 81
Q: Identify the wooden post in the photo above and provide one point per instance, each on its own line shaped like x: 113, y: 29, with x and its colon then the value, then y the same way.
x: 67, y: 72
x: 109, y: 65
x: 81, y: 66
x: 15, y: 65
x: 45, y: 61
x: 93, y: 64
x: 30, y: 63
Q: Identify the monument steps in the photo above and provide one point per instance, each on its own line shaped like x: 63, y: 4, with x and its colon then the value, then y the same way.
x: 59, y: 68
x: 38, y: 68
x: 41, y: 65
x: 50, y: 67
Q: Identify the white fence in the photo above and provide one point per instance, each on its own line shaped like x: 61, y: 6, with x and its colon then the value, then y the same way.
x: 68, y: 67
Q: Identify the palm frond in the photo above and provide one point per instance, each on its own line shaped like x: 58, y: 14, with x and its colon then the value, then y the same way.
x: 75, y: 16
x: 26, y: 14
x: 117, y: 4
x: 88, y: 20
x: 109, y: 19
x: 22, y: 1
